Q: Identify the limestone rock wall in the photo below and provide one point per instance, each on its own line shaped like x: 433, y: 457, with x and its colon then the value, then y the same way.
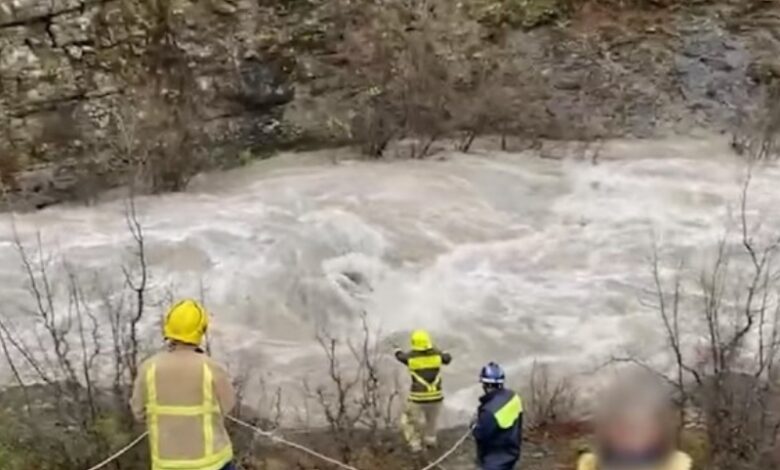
x: 91, y: 91
x: 70, y: 68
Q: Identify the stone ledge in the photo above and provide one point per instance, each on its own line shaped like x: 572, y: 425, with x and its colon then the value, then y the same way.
x: 31, y: 11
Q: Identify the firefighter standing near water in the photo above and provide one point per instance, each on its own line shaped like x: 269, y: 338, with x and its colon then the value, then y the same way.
x: 420, y: 418
x: 498, y: 430
x: 183, y: 396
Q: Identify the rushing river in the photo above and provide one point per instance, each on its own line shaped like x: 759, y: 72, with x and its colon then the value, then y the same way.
x: 506, y: 257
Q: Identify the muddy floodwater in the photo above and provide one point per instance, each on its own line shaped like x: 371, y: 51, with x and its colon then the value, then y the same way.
x: 505, y: 257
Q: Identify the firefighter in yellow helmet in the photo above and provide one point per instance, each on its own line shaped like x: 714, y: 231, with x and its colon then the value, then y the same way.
x: 183, y: 396
x: 424, y: 362
x: 635, y: 430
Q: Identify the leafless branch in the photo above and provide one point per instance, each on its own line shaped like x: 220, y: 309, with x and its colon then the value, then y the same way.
x: 138, y: 286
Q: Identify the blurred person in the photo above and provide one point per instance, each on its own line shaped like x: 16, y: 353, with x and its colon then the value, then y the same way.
x: 183, y: 396
x: 423, y: 407
x: 498, y: 430
x: 636, y: 430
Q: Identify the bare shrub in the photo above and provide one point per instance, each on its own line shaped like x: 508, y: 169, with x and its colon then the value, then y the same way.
x: 406, y: 78
x: 73, y: 358
x: 157, y: 129
x: 548, y: 400
x: 729, y: 374
x: 178, y: 152
x: 484, y: 101
x: 9, y: 166
x: 359, y: 398
x: 375, y: 127
x: 769, y: 137
x: 265, y: 406
x: 372, y: 51
x: 425, y: 76
x: 758, y: 138
x: 156, y: 125
x: 425, y: 93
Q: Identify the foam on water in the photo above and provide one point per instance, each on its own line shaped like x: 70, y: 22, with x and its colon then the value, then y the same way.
x: 504, y: 257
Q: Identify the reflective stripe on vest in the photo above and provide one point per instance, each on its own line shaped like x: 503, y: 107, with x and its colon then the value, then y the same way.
x: 679, y: 461
x: 509, y: 413
x: 432, y: 389
x: 211, y: 460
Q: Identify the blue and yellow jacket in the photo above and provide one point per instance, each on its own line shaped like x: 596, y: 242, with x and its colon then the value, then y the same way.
x: 499, y: 430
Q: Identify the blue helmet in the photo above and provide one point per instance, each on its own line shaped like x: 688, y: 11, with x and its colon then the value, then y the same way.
x: 492, y: 374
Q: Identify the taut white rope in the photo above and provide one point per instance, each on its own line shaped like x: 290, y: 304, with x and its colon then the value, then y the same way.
x: 120, y: 453
x: 325, y: 458
x: 275, y: 438
x: 452, y: 450
x: 284, y: 441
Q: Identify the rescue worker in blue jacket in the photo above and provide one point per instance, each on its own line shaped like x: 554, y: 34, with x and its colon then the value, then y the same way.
x: 498, y: 430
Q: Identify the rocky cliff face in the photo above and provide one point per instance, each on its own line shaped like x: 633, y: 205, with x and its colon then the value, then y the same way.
x: 68, y: 68
x: 94, y: 92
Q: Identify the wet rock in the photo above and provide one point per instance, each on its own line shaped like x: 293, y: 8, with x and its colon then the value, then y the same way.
x: 224, y: 7
x: 712, y: 71
x: 21, y: 11
x: 523, y: 13
x: 262, y: 86
x: 765, y: 71
x: 72, y: 28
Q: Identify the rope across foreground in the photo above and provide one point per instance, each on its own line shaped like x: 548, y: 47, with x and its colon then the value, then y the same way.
x: 284, y: 441
x: 452, y: 450
x: 325, y: 458
x: 278, y: 439
x: 120, y: 453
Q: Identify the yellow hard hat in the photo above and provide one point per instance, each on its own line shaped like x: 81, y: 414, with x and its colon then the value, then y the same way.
x: 421, y: 341
x: 186, y: 322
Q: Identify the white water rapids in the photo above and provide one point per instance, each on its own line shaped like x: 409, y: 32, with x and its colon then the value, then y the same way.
x: 505, y: 257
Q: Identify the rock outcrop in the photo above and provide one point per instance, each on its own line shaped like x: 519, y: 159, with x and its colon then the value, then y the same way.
x: 96, y: 92
x: 68, y: 68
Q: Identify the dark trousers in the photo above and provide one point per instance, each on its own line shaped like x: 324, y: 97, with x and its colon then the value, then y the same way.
x: 229, y: 466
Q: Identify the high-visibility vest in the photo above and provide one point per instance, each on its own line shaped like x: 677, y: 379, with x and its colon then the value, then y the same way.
x: 678, y: 461
x: 509, y: 413
x: 426, y: 389
x: 211, y: 459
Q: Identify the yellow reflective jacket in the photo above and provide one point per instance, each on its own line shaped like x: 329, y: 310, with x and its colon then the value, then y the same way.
x: 678, y: 461
x: 425, y: 371
x: 183, y: 396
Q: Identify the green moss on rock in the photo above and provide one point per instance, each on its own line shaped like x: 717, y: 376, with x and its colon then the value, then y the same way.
x: 696, y: 444
x: 518, y: 13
